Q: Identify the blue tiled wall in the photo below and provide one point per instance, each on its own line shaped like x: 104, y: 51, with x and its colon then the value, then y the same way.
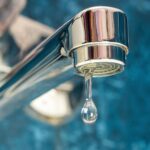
x: 123, y: 100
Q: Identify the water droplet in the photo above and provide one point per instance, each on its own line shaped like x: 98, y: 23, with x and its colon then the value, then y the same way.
x: 89, y: 112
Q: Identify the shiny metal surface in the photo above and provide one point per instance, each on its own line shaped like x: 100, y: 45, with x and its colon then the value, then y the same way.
x: 99, y: 35
x: 41, y: 70
x: 57, y: 106
x: 99, y: 26
x: 101, y: 60
x: 96, y: 36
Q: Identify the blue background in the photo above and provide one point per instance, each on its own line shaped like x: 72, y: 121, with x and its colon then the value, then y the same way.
x: 122, y: 100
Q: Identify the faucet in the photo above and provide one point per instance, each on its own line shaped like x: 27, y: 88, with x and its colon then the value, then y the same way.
x: 96, y: 38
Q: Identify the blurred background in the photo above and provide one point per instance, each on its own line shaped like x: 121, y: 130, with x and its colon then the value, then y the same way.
x: 122, y: 100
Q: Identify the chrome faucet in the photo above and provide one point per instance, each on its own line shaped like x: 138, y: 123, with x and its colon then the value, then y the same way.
x: 96, y: 38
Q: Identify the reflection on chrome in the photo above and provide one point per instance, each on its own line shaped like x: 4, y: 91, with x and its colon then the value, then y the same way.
x: 53, y: 106
x: 97, y: 34
x: 56, y: 106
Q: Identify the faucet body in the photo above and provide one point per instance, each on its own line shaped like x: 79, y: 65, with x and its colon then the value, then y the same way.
x: 96, y: 39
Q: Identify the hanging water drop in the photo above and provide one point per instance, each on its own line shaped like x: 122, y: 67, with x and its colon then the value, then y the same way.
x: 89, y: 110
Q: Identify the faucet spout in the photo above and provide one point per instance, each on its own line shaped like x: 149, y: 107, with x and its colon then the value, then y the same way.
x: 95, y: 38
x: 99, y: 41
